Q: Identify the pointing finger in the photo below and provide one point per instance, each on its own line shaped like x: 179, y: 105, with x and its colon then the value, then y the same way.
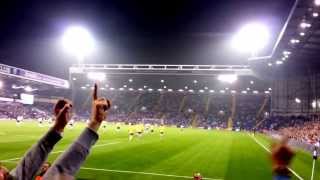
x: 95, y: 92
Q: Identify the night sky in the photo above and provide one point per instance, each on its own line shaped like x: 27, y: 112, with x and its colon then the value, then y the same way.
x: 132, y: 31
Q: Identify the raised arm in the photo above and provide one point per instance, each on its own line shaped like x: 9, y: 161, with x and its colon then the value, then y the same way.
x: 38, y: 153
x: 70, y: 161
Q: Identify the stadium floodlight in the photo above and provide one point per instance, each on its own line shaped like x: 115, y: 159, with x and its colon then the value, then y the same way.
x: 229, y: 78
x: 150, y: 89
x: 251, y: 38
x: 269, y: 64
x: 78, y: 41
x: 248, y: 89
x: 102, y: 88
x: 170, y: 90
x: 279, y: 62
x: 28, y: 89
x: 195, y: 81
x: 251, y: 82
x: 222, y: 91
x: 297, y: 100
x: 164, y: 87
x: 160, y: 90
x: 294, y: 41
x: 180, y: 90
x: 131, y: 89
x: 304, y: 25
x: 130, y: 80
x: 111, y: 89
x: 302, y: 34
x: 211, y: 91
x: 317, y: 2
x: 121, y: 89
x: 267, y: 92
x: 244, y: 92
x: 314, y: 104
x: 186, y: 87
x: 201, y: 91
x: 162, y: 81
x: 206, y: 88
x: 74, y: 79
x: 315, y: 14
x: 191, y: 90
x: 255, y: 92
x: 97, y: 76
x: 233, y: 91
x: 140, y: 89
x: 83, y: 87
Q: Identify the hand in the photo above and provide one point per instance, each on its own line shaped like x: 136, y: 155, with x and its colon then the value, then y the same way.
x: 63, y: 115
x: 99, y: 109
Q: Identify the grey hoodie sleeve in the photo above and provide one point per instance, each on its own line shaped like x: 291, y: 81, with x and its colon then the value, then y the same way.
x: 70, y: 161
x: 36, y: 156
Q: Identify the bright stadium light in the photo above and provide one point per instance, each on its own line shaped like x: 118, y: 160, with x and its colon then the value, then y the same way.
x: 297, y: 100
x: 28, y: 89
x: 251, y: 38
x: 98, y: 76
x: 78, y: 42
x: 317, y: 2
x: 229, y: 78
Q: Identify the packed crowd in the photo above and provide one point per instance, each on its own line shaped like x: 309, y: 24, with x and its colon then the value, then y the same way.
x: 300, y: 128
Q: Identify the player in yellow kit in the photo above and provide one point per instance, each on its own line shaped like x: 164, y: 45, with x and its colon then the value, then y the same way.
x: 131, y: 132
x: 161, y: 130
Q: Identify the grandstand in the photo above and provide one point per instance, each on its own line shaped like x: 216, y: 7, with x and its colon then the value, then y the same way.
x: 217, y: 121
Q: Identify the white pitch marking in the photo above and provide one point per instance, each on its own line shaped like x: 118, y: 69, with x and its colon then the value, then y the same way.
x: 144, y: 173
x: 264, y: 147
x: 56, y: 152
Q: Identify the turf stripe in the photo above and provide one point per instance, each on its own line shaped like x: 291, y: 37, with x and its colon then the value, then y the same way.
x: 143, y: 173
x: 268, y: 150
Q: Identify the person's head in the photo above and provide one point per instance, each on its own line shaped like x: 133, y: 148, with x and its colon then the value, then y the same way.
x: 45, y: 166
x: 4, y: 173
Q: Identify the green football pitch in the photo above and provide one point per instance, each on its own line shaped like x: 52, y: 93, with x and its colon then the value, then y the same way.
x: 215, y: 154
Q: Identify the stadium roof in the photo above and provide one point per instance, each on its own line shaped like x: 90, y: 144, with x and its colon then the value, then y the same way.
x: 299, y: 46
x: 155, y: 80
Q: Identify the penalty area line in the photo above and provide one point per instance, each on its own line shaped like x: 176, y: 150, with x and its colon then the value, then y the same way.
x: 142, y: 173
x: 268, y: 150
